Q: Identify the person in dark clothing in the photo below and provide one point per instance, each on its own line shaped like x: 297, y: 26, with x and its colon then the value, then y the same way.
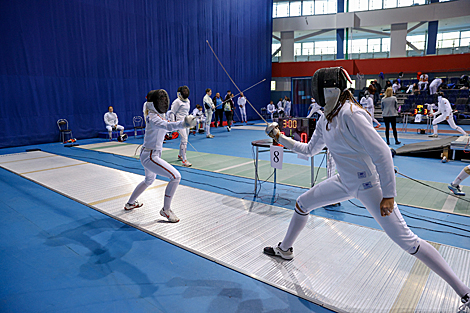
x: 228, y: 109
x: 378, y: 89
x: 219, y: 110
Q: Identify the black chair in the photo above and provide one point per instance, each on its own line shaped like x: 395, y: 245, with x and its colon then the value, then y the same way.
x: 63, y: 125
x: 138, y: 122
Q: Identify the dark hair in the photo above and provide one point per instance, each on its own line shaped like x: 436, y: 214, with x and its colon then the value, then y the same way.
x: 198, y: 106
x: 207, y: 90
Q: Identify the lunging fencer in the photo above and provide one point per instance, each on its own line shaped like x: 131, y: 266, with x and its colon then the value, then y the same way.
x: 179, y: 110
x: 446, y: 114
x: 209, y: 108
x: 156, y: 128
x: 365, y: 172
x: 111, y: 121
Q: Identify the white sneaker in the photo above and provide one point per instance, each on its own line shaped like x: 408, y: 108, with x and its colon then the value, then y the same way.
x: 132, y: 206
x: 466, y: 303
x: 170, y: 216
x: 187, y: 164
x: 277, y: 251
x: 434, y: 136
x: 210, y: 136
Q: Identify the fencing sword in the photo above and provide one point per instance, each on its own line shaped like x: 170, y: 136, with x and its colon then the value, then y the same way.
x: 242, y: 91
x: 207, y: 41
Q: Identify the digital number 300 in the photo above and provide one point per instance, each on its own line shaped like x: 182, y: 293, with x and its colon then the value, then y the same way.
x: 289, y: 124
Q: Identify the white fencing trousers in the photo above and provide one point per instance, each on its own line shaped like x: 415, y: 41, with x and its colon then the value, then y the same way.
x: 154, y: 165
x: 243, y: 114
x: 183, y: 142
x: 451, y: 122
x: 208, y: 121
x: 332, y: 190
x: 433, y: 89
x: 110, y: 129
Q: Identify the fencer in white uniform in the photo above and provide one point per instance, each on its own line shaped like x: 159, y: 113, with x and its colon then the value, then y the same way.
x: 200, y: 118
x: 150, y: 155
x: 446, y: 114
x: 368, y: 103
x: 314, y: 108
x: 423, y: 81
x: 179, y: 110
x: 365, y: 172
x: 111, y: 121
x: 271, y: 109
x: 434, y: 85
x: 455, y: 185
x: 287, y: 108
x: 209, y: 109
x: 242, y: 105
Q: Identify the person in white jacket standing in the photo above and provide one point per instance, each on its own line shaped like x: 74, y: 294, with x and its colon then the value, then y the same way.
x: 111, y: 121
x: 150, y: 155
x: 179, y: 110
x: 209, y: 108
x: 365, y: 172
x: 242, y: 105
x: 446, y: 114
x: 368, y: 103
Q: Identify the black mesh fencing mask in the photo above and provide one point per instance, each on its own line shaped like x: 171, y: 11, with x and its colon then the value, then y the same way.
x: 160, y: 100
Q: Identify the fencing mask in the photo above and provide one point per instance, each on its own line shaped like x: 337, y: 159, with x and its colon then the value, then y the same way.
x: 327, y: 86
x: 158, y: 101
x: 183, y: 93
x: 122, y: 138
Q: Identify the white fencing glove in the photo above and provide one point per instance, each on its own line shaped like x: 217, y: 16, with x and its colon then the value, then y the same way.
x: 272, y: 130
x: 189, y: 121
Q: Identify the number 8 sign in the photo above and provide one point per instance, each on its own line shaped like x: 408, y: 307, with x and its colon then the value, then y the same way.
x: 277, y: 154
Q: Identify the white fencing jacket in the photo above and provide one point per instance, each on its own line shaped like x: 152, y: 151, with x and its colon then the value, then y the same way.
x: 362, y: 158
x: 443, y: 107
x: 241, y: 103
x: 111, y: 119
x: 180, y: 109
x: 155, y: 130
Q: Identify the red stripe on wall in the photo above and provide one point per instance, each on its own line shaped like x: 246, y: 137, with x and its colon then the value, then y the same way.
x: 425, y: 64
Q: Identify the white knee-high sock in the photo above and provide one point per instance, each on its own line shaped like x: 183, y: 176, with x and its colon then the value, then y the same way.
x: 170, y: 192
x: 434, y: 127
x: 137, y: 192
x: 463, y: 175
x: 297, y: 223
x: 434, y: 260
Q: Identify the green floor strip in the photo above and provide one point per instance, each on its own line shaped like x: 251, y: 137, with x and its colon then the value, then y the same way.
x: 409, y: 192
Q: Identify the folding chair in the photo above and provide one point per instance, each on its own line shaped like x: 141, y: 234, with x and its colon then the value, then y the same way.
x: 63, y: 125
x: 138, y: 122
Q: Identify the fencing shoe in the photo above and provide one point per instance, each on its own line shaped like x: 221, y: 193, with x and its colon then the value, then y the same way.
x: 132, y: 206
x: 187, y: 164
x: 210, y: 136
x: 456, y: 190
x: 277, y: 251
x: 434, y: 136
x: 466, y: 303
x: 180, y: 157
x: 169, y: 215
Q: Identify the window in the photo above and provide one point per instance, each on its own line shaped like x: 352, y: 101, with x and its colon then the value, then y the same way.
x: 358, y: 5
x: 281, y: 9
x: 465, y: 38
x: 297, y: 49
x: 276, y: 46
x: 390, y: 4
x: 375, y: 4
x: 359, y: 46
x: 448, y: 40
x: 385, y: 44
x: 325, y: 47
x: 307, y: 7
x: 405, y: 3
x: 325, y: 6
x: 373, y: 45
x: 273, y: 85
x: 307, y: 48
x: 295, y: 8
x: 417, y: 41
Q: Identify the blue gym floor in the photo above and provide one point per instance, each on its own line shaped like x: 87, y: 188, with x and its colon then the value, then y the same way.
x: 60, y: 256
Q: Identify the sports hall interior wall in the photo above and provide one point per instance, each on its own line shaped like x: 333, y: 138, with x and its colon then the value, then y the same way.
x: 72, y: 59
x: 425, y: 64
